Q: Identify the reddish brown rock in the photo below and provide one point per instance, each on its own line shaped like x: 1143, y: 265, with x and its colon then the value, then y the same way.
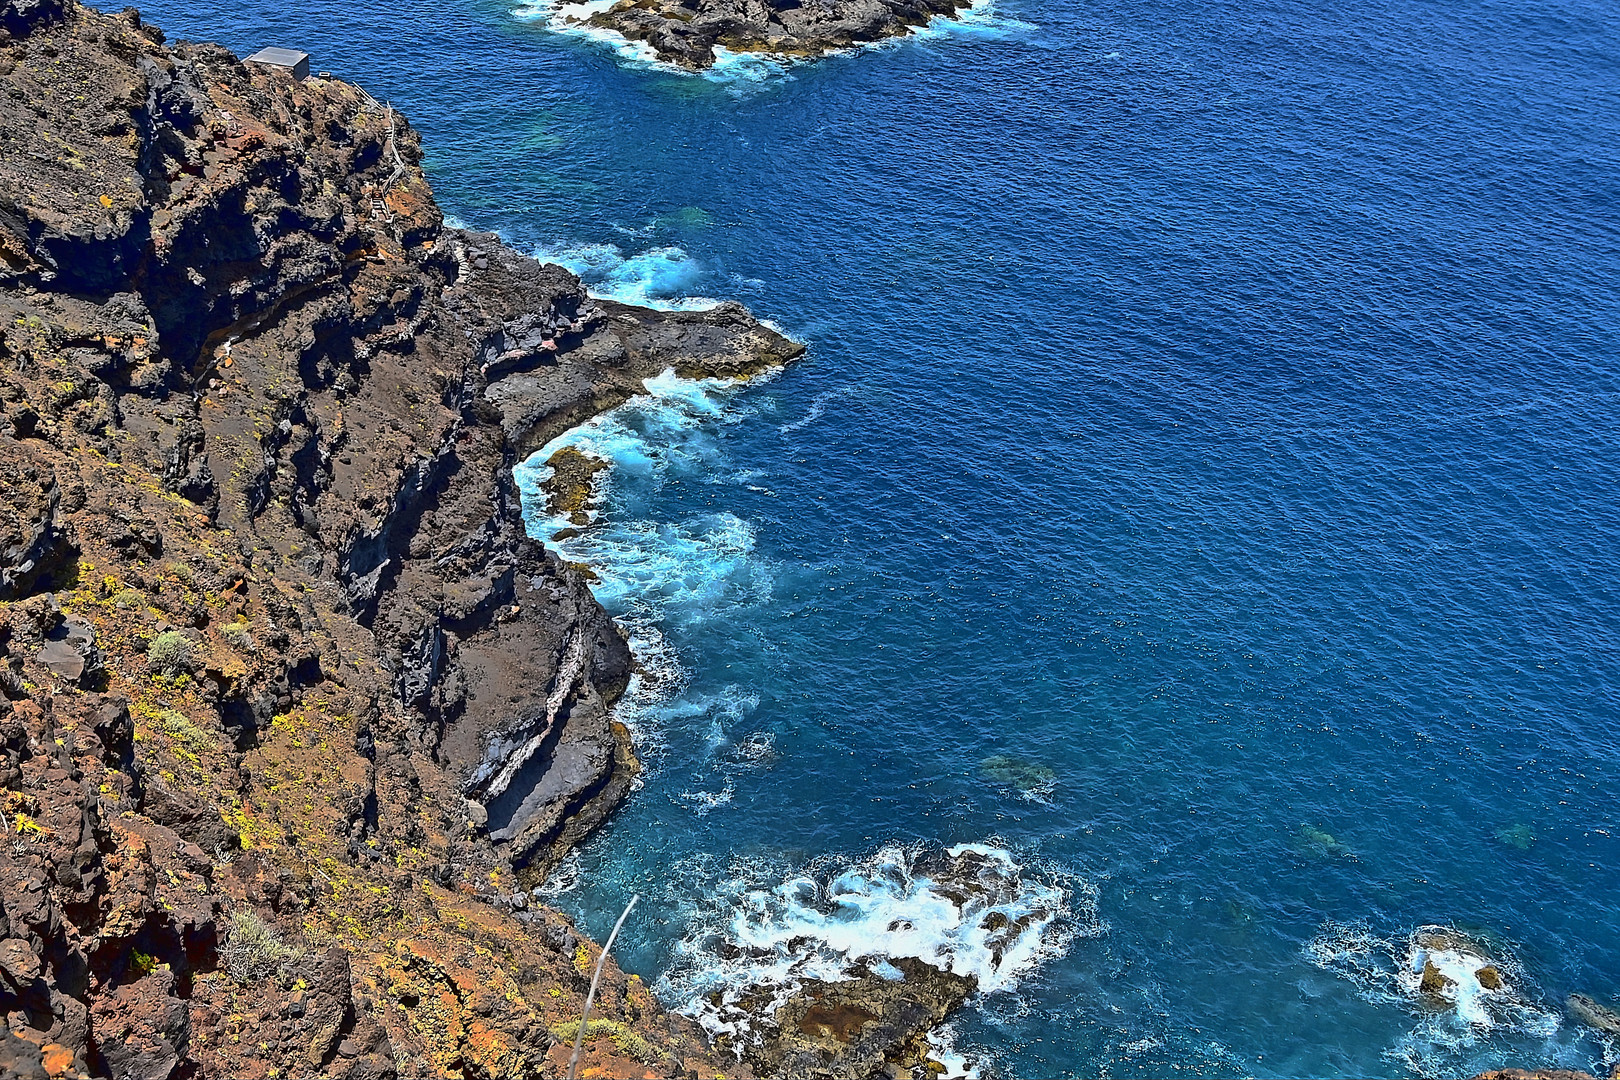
x: 283, y: 684
x: 864, y: 1026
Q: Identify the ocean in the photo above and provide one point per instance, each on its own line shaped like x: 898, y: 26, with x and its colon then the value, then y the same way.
x: 1198, y: 498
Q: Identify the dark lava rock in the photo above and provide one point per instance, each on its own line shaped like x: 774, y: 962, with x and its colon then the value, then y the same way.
x: 33, y: 543
x: 868, y: 1026
x: 70, y: 653
x: 1433, y: 980
x: 260, y: 412
x: 685, y: 32
x: 1589, y: 1012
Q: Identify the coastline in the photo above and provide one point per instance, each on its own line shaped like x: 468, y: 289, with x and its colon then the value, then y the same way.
x: 321, y: 712
x: 763, y: 959
x: 109, y: 557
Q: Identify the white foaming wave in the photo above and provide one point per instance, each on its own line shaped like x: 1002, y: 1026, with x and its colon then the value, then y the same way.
x: 763, y: 929
x: 757, y: 749
x: 772, y: 324
x: 741, y: 70
x: 692, y: 570
x: 637, y: 438
x: 723, y: 710
x: 818, y: 408
x: 744, y: 67
x: 661, y: 278
x: 733, y: 706
x: 702, y: 802
x: 565, y: 877
x: 570, y: 20
x: 649, y: 572
x: 657, y: 679
x: 734, y: 69
x: 978, y: 18
x: 1457, y: 1013
x: 1041, y: 794
x: 958, y: 1066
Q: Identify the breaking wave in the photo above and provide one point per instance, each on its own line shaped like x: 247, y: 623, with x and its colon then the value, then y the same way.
x: 1461, y: 991
x: 744, y: 69
x: 764, y: 928
x: 664, y: 278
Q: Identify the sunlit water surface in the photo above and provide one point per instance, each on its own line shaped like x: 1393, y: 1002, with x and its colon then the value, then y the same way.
x: 1198, y: 495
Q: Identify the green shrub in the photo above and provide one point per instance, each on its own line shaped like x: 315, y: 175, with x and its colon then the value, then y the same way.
x: 236, y: 635
x: 254, y: 952
x: 171, y: 653
x: 627, y: 1041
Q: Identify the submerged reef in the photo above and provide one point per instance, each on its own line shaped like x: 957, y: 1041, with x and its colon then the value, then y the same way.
x: 686, y: 32
x: 293, y: 714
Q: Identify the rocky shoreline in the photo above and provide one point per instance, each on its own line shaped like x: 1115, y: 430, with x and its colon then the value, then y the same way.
x: 686, y: 32
x: 294, y: 716
x: 292, y: 712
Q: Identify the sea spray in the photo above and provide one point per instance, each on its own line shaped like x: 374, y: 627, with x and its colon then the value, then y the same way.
x: 1461, y: 991
x: 661, y: 277
x: 742, y: 70
x: 759, y: 928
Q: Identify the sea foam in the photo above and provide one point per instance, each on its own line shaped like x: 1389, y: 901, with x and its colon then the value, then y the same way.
x: 663, y: 278
x: 1477, y: 991
x: 570, y: 20
x: 651, y: 574
x: 764, y: 928
x: 743, y: 69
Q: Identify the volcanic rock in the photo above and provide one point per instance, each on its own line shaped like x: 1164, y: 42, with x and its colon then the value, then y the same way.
x: 866, y: 1026
x: 1589, y: 1012
x: 685, y: 32
x: 261, y: 411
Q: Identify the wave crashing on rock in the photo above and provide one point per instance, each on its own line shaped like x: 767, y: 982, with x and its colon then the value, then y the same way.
x: 798, y: 968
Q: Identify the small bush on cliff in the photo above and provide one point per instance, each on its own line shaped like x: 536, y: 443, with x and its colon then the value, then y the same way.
x: 254, y: 952
x: 128, y: 600
x: 237, y: 636
x: 171, y: 653
x: 627, y: 1041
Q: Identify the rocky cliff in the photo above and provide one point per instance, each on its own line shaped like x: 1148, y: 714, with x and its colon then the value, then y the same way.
x: 291, y: 710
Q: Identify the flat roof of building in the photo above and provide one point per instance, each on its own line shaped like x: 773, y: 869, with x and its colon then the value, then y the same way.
x: 279, y: 57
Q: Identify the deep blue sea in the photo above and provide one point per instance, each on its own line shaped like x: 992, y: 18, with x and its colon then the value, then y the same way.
x: 1199, y: 494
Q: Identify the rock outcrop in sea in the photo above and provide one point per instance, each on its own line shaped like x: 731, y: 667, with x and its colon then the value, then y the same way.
x: 292, y: 712
x: 686, y: 32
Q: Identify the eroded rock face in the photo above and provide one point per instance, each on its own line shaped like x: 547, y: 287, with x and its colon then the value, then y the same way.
x: 33, y: 545
x: 685, y: 32
x: 268, y: 616
x: 866, y: 1026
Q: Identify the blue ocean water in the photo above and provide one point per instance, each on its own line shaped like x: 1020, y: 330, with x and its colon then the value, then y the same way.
x: 1198, y: 494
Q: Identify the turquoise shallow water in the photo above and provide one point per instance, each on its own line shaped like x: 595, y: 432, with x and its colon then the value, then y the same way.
x: 1200, y: 488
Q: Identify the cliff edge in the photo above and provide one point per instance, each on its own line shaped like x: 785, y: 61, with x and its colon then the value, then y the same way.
x: 292, y: 712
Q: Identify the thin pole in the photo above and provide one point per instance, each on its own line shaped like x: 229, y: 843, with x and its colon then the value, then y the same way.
x: 579, y: 1037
